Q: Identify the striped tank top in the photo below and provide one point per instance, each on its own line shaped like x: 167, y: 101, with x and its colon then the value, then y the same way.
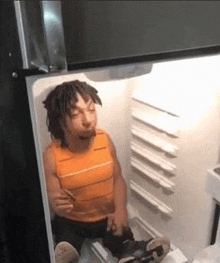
x: 89, y: 177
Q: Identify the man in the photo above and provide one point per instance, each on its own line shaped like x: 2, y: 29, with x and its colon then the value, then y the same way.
x: 86, y: 190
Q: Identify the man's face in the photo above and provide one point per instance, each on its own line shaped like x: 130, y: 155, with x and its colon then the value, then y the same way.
x: 82, y: 121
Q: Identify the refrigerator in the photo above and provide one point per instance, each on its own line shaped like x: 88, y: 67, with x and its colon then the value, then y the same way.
x: 160, y: 106
x: 165, y: 127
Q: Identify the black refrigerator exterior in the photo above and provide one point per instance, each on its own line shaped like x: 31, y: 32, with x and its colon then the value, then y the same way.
x: 23, y: 232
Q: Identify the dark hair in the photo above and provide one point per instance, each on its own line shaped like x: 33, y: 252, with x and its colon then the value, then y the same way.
x: 59, y: 102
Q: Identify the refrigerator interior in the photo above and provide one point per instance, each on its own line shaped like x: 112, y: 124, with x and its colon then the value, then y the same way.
x: 165, y: 126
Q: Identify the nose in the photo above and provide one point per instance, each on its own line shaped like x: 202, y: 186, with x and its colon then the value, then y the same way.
x: 87, y: 120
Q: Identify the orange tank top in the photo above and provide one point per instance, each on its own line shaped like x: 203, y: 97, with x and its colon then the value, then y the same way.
x: 89, y: 177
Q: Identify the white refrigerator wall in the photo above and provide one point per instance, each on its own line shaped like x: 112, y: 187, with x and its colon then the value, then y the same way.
x: 176, y: 125
x: 189, y: 89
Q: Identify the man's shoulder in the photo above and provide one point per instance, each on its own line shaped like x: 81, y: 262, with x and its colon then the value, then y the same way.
x: 103, y: 138
x: 48, y: 150
x: 102, y: 132
x: 53, y: 144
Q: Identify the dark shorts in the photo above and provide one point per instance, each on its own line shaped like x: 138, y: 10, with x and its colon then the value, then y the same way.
x: 75, y: 233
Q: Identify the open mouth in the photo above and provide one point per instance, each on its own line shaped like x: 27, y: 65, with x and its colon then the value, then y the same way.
x: 87, y: 135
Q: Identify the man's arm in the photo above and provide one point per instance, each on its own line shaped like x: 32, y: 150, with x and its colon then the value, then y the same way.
x: 58, y: 199
x: 119, y: 219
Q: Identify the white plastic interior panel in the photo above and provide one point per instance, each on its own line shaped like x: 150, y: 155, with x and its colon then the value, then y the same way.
x: 153, y: 175
x: 166, y: 123
x: 153, y: 158
x: 175, y: 140
x: 149, y: 101
x: 160, y: 206
x: 155, y: 141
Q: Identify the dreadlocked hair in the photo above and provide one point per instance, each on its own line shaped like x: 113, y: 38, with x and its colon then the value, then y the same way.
x: 59, y: 102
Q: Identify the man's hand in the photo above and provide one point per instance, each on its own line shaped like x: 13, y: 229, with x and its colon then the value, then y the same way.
x: 61, y: 203
x: 117, y: 222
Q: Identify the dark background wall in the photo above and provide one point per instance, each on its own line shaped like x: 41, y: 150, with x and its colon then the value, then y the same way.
x: 22, y: 225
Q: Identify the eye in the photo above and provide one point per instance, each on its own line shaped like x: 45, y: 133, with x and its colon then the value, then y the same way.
x: 92, y: 108
x: 74, y: 114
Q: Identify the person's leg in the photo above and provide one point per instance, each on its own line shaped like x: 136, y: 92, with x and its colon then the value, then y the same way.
x: 96, y: 229
x: 70, y: 236
x: 68, y: 240
x: 65, y: 230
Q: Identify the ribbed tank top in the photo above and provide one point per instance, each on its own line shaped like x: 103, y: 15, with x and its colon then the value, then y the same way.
x: 89, y: 178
